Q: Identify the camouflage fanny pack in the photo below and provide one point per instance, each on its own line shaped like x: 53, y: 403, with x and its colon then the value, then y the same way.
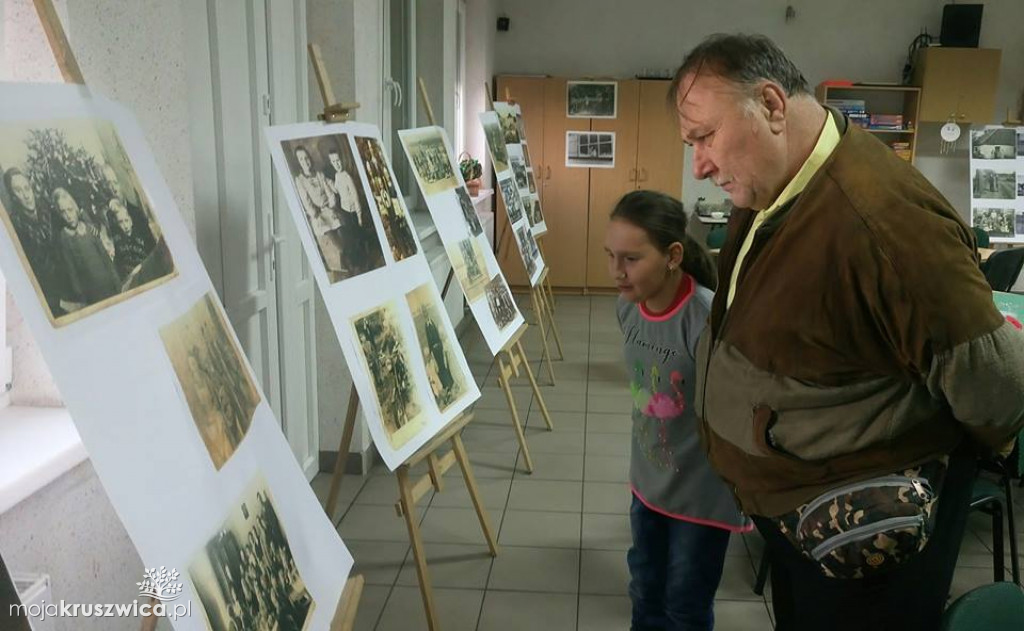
x: 868, y: 527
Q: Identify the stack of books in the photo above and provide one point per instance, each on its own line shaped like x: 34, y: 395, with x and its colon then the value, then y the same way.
x: 888, y: 122
x: 854, y: 109
x: 902, y: 149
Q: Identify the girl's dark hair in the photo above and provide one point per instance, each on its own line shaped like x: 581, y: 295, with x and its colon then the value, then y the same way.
x: 664, y: 221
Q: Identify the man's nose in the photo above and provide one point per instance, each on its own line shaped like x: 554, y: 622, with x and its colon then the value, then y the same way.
x: 703, y: 167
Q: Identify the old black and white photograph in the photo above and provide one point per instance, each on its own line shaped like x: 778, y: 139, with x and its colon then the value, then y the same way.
x: 334, y: 204
x: 991, y: 184
x: 1020, y: 185
x: 528, y: 247
x: 510, y: 194
x: 509, y: 124
x: 499, y: 300
x: 469, y: 211
x: 430, y: 161
x: 994, y: 144
x: 393, y: 215
x: 79, y: 217
x: 592, y: 99
x: 531, y: 183
x: 214, y: 377
x: 536, y: 216
x: 526, y: 157
x: 997, y: 222
x: 519, y: 170
x: 496, y: 143
x: 521, y: 127
x: 1019, y: 220
x: 470, y: 267
x: 1020, y: 143
x: 590, y: 149
x: 447, y: 379
x: 388, y: 361
x: 245, y: 575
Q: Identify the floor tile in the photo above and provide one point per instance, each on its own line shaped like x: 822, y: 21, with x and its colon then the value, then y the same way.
x: 557, y: 442
x: 540, y: 529
x: 486, y: 439
x: 609, y: 423
x: 457, y: 609
x: 375, y: 523
x: 608, y: 444
x: 455, y: 525
x: 606, y: 613
x: 451, y: 565
x: 553, y: 467
x: 737, y: 580
x: 546, y: 495
x: 606, y: 469
x: 606, y: 497
x: 606, y: 532
x: 731, y: 615
x: 382, y: 490
x: 493, y: 465
x: 604, y: 572
x: 371, y: 605
x: 493, y: 492
x: 378, y: 561
x: 561, y: 421
x: 518, y: 611
x: 536, y: 570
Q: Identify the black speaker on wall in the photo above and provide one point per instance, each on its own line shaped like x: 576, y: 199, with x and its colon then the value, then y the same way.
x: 503, y: 24
x: 961, y: 25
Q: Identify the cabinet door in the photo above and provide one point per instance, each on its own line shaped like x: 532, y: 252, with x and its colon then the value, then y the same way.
x: 960, y: 82
x: 659, y: 149
x: 565, y: 193
x: 607, y: 186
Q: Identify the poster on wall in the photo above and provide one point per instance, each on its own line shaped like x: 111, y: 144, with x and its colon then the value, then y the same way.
x: 591, y: 150
x: 504, y: 154
x: 408, y: 368
x: 997, y: 182
x: 108, y: 279
x: 592, y: 99
x: 521, y: 165
x: 473, y: 262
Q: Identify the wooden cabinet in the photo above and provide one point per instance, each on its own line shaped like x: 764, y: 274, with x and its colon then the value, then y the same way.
x: 578, y: 201
x: 958, y: 83
x: 883, y: 99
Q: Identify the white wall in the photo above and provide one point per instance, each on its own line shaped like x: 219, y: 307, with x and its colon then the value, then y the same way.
x: 481, y: 17
x: 863, y: 41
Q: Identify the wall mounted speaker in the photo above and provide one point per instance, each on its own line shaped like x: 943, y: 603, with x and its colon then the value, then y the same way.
x: 961, y: 25
x: 503, y: 24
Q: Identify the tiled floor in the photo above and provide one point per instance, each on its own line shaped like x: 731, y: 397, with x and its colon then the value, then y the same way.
x: 563, y: 531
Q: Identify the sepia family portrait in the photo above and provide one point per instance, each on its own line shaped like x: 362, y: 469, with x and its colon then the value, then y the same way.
x: 77, y: 213
x: 496, y: 143
x: 390, y: 207
x: 430, y: 160
x: 528, y: 248
x: 510, y: 194
x: 214, y: 377
x: 447, y: 380
x: 245, y: 575
x: 469, y: 215
x: 470, y: 267
x: 500, y: 302
x: 997, y: 222
x: 509, y: 125
x: 334, y: 204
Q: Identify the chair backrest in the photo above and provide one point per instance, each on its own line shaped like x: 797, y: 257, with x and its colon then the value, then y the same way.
x: 992, y: 607
x: 982, y: 237
x: 716, y: 238
x: 1003, y: 268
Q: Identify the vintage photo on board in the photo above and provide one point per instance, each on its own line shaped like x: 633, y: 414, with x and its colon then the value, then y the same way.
x: 590, y: 149
x: 245, y: 575
x: 994, y: 144
x: 469, y: 211
x: 470, y: 267
x: 536, y: 216
x: 997, y: 222
x: 447, y: 379
x: 393, y: 215
x: 386, y: 357
x: 592, y: 99
x: 1020, y: 143
x: 213, y: 376
x: 528, y: 247
x: 510, y: 194
x: 496, y: 143
x: 509, y: 125
x: 519, y: 169
x: 334, y: 204
x: 79, y: 217
x: 499, y: 300
x: 990, y: 184
x: 430, y: 161
x: 1020, y: 224
x: 531, y: 183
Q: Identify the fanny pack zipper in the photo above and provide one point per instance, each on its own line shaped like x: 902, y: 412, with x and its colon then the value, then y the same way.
x: 893, y: 523
x: 920, y: 485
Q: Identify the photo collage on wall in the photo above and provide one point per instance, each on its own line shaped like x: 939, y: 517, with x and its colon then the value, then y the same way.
x: 107, y: 276
x: 997, y: 182
x: 500, y: 126
x: 473, y: 262
x: 525, y: 178
x: 408, y: 368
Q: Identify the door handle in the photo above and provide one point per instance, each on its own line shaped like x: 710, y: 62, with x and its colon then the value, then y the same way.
x: 548, y: 173
x: 643, y: 175
x: 632, y: 175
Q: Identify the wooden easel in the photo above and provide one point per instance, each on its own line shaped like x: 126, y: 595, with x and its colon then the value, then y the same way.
x: 410, y: 490
x: 348, y: 603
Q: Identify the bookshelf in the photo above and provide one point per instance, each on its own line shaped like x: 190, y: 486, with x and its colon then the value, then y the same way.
x: 891, y: 106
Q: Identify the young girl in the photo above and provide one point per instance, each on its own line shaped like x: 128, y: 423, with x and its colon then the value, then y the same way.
x: 682, y: 512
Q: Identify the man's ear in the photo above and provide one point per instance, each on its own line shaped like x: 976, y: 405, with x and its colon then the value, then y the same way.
x: 773, y: 99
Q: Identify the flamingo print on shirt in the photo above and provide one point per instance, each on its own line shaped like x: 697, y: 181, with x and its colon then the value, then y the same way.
x: 658, y: 409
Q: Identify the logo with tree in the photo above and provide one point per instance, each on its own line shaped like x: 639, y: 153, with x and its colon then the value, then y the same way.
x: 161, y: 583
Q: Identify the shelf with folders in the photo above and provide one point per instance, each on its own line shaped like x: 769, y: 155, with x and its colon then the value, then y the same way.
x: 891, y: 112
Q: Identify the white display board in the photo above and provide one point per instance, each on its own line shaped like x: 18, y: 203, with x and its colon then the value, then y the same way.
x: 405, y: 359
x: 527, y: 182
x: 108, y: 279
x: 469, y: 252
x: 503, y: 157
x: 997, y: 182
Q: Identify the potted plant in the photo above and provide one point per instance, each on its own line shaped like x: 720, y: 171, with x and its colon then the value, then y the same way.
x: 471, y: 172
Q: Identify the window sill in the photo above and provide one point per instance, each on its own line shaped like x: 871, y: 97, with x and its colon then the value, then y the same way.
x: 37, y: 446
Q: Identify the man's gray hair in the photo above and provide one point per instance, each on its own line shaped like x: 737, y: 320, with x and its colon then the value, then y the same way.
x: 745, y: 60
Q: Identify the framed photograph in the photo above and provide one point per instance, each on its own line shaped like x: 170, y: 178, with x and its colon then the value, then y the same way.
x: 496, y: 143
x: 79, y: 217
x: 334, y: 204
x: 519, y: 170
x: 245, y: 575
x: 994, y: 144
x: 585, y: 149
x: 470, y: 268
x: 398, y: 227
x: 997, y: 222
x: 212, y: 372
x: 509, y: 122
x: 992, y: 184
x: 430, y: 161
x: 387, y: 359
x: 469, y: 212
x: 500, y: 302
x: 444, y: 371
x: 592, y: 99
x: 513, y: 204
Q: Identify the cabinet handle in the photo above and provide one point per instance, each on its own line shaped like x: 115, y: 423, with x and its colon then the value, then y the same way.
x: 632, y: 175
x: 643, y: 175
x: 547, y: 175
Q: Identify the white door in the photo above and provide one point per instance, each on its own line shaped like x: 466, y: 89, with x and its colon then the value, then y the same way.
x: 256, y: 49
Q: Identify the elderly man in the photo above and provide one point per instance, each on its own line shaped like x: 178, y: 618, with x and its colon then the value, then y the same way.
x: 854, y: 357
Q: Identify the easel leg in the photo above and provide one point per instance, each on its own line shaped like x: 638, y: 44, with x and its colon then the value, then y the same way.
x: 474, y: 493
x: 346, y: 443
x: 538, y: 308
x: 503, y: 380
x: 348, y: 606
x: 435, y: 476
x: 418, y: 553
x: 536, y: 390
x: 550, y: 311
